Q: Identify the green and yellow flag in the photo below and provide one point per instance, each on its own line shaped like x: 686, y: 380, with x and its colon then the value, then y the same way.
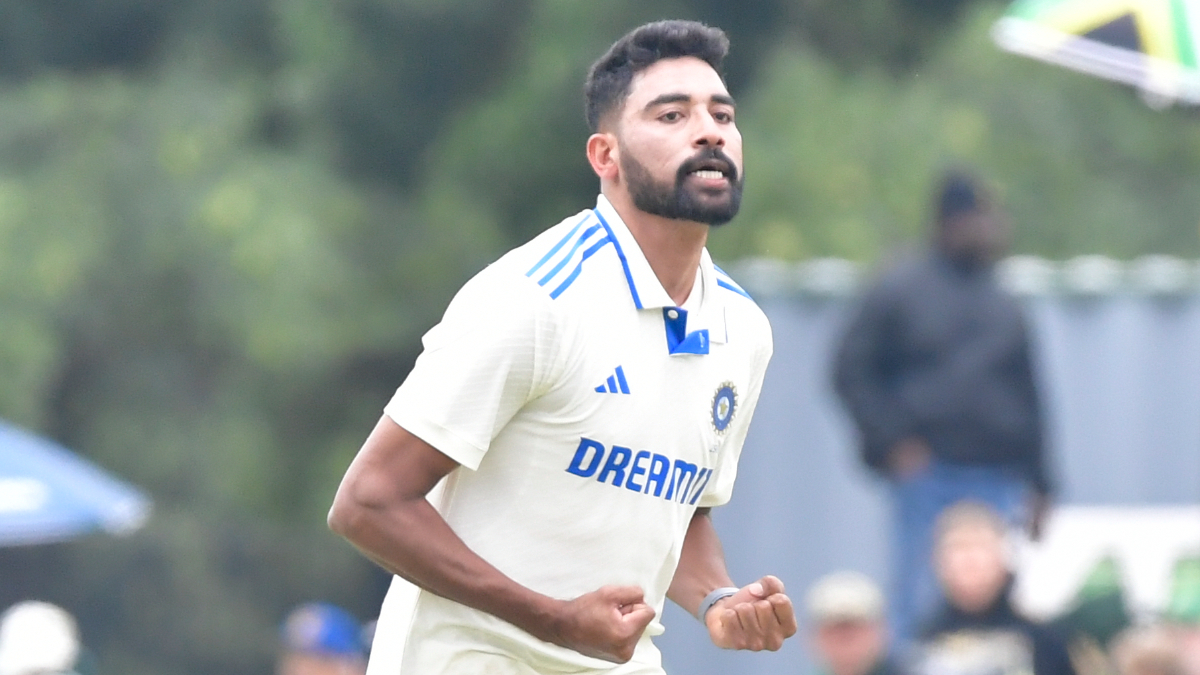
x: 1150, y: 44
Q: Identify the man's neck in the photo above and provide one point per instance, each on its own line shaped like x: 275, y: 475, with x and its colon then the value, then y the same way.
x: 672, y: 247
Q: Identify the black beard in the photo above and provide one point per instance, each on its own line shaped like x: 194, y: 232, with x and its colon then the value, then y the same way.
x: 678, y: 201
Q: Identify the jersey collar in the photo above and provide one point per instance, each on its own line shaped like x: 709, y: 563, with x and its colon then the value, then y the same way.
x: 647, y: 291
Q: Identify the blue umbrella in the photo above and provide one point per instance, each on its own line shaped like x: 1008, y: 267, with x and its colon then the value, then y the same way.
x: 48, y: 493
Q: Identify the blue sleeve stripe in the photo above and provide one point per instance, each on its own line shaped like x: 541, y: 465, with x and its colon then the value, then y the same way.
x: 637, y: 302
x: 562, y: 242
x: 570, y: 254
x: 579, y: 268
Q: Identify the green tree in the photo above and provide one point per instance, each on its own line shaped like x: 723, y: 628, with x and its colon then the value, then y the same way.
x: 842, y: 165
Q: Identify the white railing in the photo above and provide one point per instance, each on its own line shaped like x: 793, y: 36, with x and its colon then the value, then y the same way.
x: 1086, y: 275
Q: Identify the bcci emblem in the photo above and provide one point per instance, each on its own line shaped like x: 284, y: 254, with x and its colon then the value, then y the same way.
x: 723, y: 406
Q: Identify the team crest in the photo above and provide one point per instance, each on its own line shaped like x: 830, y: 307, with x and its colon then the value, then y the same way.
x: 723, y: 406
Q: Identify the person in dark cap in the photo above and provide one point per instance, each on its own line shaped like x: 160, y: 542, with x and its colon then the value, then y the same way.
x: 935, y: 370
x: 321, y: 639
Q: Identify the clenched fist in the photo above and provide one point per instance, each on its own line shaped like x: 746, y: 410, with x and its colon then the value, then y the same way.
x: 757, y: 617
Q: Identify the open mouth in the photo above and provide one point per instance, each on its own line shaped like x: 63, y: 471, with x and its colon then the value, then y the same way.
x: 711, y: 168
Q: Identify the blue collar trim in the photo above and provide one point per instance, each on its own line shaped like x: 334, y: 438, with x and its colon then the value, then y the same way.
x: 637, y: 301
x: 679, y: 341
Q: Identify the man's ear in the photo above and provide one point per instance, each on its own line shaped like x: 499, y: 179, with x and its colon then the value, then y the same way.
x: 604, y: 155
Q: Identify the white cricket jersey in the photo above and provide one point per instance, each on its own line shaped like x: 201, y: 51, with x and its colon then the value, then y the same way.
x: 591, y: 417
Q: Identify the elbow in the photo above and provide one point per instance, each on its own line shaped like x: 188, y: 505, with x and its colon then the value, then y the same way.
x: 345, y: 515
x: 359, y: 512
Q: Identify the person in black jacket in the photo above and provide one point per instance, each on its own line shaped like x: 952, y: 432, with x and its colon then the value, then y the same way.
x: 935, y: 370
x: 977, y: 631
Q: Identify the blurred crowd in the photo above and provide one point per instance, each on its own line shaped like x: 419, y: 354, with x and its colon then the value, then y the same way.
x: 977, y: 629
x: 936, y: 368
x: 316, y: 638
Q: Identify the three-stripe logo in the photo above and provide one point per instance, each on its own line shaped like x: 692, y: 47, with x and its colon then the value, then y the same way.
x: 615, y: 384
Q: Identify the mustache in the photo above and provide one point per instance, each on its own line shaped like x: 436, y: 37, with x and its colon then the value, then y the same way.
x: 710, y: 158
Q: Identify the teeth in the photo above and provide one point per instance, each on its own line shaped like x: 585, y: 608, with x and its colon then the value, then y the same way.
x: 708, y: 173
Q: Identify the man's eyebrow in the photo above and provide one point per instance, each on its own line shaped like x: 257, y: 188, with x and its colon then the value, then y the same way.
x: 664, y: 99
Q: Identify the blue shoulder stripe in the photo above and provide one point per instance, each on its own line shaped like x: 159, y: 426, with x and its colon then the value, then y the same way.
x: 579, y: 268
x: 727, y: 282
x: 566, y: 258
x: 733, y: 287
x: 562, y: 242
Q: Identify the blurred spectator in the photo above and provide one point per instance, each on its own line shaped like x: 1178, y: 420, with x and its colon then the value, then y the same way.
x: 1099, y: 609
x: 978, y: 632
x: 38, y: 638
x: 1187, y: 636
x: 1184, y: 604
x: 321, y: 639
x: 846, y: 619
x: 1149, y: 650
x: 1097, y: 614
x: 1183, y: 613
x: 935, y: 369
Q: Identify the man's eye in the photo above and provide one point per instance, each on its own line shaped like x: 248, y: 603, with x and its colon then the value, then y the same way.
x: 671, y: 116
x: 722, y: 116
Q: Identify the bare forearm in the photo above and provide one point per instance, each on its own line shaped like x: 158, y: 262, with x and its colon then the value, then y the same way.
x: 413, y: 541
x: 381, y: 508
x: 755, y: 617
x: 701, y: 565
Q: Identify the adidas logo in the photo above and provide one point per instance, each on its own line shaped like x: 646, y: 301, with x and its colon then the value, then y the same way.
x: 616, y: 383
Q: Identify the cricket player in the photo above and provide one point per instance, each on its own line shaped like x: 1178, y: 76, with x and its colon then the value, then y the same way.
x: 581, y: 407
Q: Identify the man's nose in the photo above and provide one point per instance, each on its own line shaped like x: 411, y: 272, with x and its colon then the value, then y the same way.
x: 710, y: 133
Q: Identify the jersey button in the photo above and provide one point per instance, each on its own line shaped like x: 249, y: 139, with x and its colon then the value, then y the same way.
x: 672, y: 314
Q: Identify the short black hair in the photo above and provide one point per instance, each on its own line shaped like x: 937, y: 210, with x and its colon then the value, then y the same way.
x: 961, y: 191
x: 609, y: 78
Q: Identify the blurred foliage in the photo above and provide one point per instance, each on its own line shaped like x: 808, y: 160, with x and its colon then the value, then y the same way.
x: 225, y: 224
x: 841, y: 165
